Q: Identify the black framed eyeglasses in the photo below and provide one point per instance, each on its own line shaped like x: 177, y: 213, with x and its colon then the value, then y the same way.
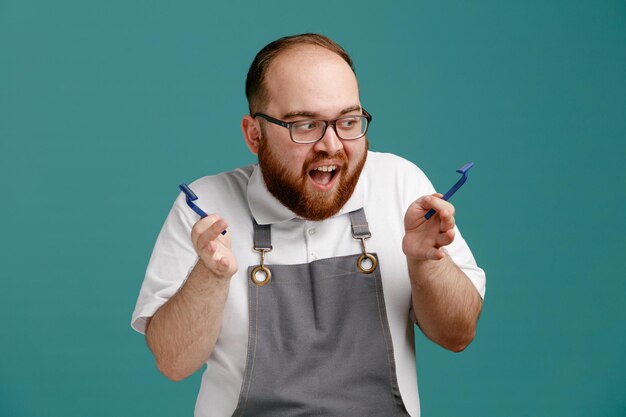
x: 311, y: 131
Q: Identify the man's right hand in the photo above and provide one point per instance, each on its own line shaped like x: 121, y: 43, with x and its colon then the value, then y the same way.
x: 183, y: 331
x: 213, y: 248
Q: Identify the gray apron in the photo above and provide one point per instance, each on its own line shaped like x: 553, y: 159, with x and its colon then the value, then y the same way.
x: 319, y: 342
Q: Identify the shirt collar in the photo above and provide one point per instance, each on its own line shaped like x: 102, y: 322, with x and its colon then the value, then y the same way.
x: 266, y: 209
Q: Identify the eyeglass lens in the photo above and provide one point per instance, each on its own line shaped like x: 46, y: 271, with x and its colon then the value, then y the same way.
x: 347, y: 128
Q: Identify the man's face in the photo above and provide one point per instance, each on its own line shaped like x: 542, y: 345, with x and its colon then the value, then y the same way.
x: 313, y: 180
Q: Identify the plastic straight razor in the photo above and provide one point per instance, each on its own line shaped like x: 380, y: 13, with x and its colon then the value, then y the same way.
x: 463, y: 170
x: 190, y: 197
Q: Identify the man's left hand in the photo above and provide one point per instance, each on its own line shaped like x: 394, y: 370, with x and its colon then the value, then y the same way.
x: 423, y: 238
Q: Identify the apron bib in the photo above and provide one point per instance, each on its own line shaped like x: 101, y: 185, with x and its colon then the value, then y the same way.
x: 319, y: 342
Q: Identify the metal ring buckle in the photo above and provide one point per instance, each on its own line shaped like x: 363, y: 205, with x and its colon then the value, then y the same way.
x: 366, y: 256
x: 261, y: 268
x: 362, y: 258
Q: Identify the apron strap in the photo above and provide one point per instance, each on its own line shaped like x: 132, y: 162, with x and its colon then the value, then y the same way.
x: 262, y: 236
x: 360, y: 228
x: 261, y: 275
x: 366, y: 263
x: 263, y: 243
x: 263, y: 233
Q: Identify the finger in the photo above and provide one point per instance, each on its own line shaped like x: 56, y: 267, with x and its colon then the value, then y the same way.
x: 223, y: 264
x: 218, y: 227
x: 435, y: 254
x: 212, y: 233
x: 444, y: 239
x: 414, y: 217
x: 441, y: 208
x: 207, y: 251
x: 438, y: 204
x: 202, y: 226
x: 446, y: 221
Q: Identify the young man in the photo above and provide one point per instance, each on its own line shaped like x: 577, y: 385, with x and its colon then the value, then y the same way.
x: 306, y: 305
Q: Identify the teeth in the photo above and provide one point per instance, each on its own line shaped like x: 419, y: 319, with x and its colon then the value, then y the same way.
x: 327, y: 168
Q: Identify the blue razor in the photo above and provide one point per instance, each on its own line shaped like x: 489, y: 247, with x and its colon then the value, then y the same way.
x: 463, y: 170
x: 190, y: 197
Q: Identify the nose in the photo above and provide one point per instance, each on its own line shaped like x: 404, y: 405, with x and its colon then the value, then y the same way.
x: 330, y: 142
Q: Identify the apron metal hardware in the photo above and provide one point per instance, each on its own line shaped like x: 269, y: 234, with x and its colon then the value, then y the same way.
x: 366, y: 258
x: 261, y: 269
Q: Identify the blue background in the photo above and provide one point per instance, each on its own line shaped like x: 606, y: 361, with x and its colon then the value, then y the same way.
x: 106, y: 106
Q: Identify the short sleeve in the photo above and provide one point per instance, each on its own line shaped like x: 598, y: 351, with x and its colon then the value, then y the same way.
x: 459, y: 251
x: 172, y: 259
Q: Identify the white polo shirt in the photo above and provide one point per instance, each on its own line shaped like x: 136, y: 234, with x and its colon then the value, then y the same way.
x: 387, y: 186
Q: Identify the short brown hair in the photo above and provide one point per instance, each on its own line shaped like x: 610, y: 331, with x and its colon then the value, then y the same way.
x: 255, y: 89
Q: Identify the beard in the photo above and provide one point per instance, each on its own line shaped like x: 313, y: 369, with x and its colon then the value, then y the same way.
x: 292, y: 190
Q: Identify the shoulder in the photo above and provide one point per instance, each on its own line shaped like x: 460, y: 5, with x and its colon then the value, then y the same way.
x: 396, y: 172
x: 392, y: 163
x: 237, y: 178
x: 223, y: 191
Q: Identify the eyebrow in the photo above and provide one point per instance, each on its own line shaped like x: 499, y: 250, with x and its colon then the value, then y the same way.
x: 305, y: 113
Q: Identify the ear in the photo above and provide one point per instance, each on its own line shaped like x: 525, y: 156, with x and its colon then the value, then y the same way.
x: 251, y: 133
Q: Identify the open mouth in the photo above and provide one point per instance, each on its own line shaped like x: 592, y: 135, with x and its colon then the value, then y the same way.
x: 323, y: 176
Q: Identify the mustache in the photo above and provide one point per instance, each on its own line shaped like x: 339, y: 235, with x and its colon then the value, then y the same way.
x: 324, y: 156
